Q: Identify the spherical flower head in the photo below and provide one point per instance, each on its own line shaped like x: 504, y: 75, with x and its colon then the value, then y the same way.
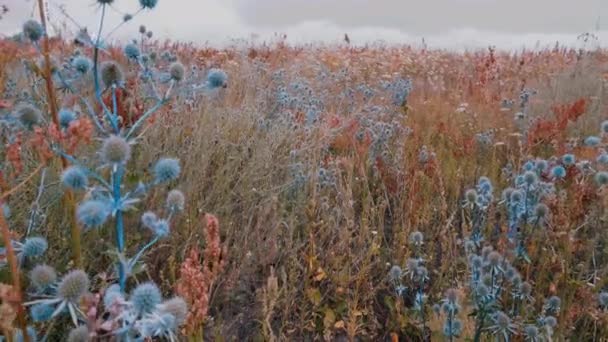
x: 217, y: 78
x: 592, y: 141
x: 177, y: 71
x: 79, y: 334
x: 149, y: 219
x: 166, y: 170
x: 149, y: 34
x: 530, y: 178
x: 516, y: 280
x: 452, y: 328
x: 66, y: 116
x: 93, y: 213
x: 470, y: 196
x: 602, y: 299
x: 145, y: 297
x: 482, y: 291
x: 177, y: 307
x: 31, y: 334
x: 525, y: 289
x: 602, y: 158
x: 506, y: 194
x: 34, y: 247
x: 42, y: 277
x: 601, y: 178
x: 112, y: 295
x: 421, y: 273
x: 175, y: 201
x: 558, y: 172
x: 127, y: 17
x: 75, y: 178
x: 131, y: 51
x: 111, y: 74
x: 411, y: 264
x: 485, y: 251
x: 568, y: 159
x: 517, y: 196
x: 541, y: 211
x: 494, y: 259
x: 395, y: 273
x: 510, y: 273
x: 28, y: 115
x: 550, y: 321
x: 73, y: 286
x: 142, y: 29
x: 502, y: 320
x: 416, y: 238
x: 115, y: 150
x: 82, y: 64
x: 161, y: 228
x: 531, y: 333
x: 476, y: 262
x: 105, y: 2
x: 33, y: 30
x: 604, y: 127
x: 541, y: 165
x: 41, y: 312
x: 553, y: 304
x: 149, y: 4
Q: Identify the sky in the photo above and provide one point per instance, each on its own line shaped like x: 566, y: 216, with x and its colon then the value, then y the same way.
x: 450, y: 24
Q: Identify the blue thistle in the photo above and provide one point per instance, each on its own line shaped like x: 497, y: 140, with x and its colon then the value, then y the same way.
x: 145, y: 297
x: 602, y: 299
x: 82, y: 64
x: 592, y: 141
x: 558, y: 172
x: 66, y: 116
x: 93, y: 213
x: 601, y: 178
x: 74, y: 178
x: 33, y: 247
x: 166, y: 170
x: 148, y: 4
x: 131, y: 51
x: 569, y: 159
x: 216, y: 78
x: 33, y: 30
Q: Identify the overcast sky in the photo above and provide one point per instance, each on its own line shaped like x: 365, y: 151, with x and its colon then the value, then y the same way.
x: 457, y: 24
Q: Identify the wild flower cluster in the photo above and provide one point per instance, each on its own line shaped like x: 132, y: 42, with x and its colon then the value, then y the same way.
x: 113, y: 110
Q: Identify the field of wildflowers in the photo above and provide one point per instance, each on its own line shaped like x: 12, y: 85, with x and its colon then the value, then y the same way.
x: 161, y: 191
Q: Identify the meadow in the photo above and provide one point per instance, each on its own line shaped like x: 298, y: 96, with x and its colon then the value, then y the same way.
x: 266, y: 192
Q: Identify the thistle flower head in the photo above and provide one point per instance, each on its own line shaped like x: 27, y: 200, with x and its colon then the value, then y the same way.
x: 112, y: 295
x: 476, y: 262
x: 525, y: 289
x: 568, y: 159
x: 66, y: 117
x: 558, y: 172
x: 105, y: 2
x: 531, y: 333
x: 41, y: 312
x: 93, y: 213
x: 142, y: 29
x: 166, y: 170
x: 604, y: 127
x: 127, y: 17
x: 552, y: 305
x: 395, y: 273
x: 175, y: 201
x: 530, y: 178
x: 482, y: 291
x: 494, y: 259
x: 149, y: 4
x: 470, y: 196
x: 161, y: 228
x: 416, y: 238
x: 115, y: 150
x: 82, y: 64
x: 177, y: 71
x: 75, y: 178
x: 517, y: 196
x: 79, y: 334
x: 177, y: 307
x: 541, y: 165
x: 601, y: 178
x: 34, y: 247
x: 73, y: 286
x: 452, y: 328
x: 217, y: 78
x: 111, y: 74
x: 132, y: 51
x: 33, y: 30
x: 550, y: 321
x: 42, y: 276
x: 145, y: 297
x: 28, y: 115
x: 149, y: 219
x: 592, y: 141
x: 541, y: 211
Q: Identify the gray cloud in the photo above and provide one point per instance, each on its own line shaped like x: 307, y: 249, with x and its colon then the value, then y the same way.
x: 453, y: 24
